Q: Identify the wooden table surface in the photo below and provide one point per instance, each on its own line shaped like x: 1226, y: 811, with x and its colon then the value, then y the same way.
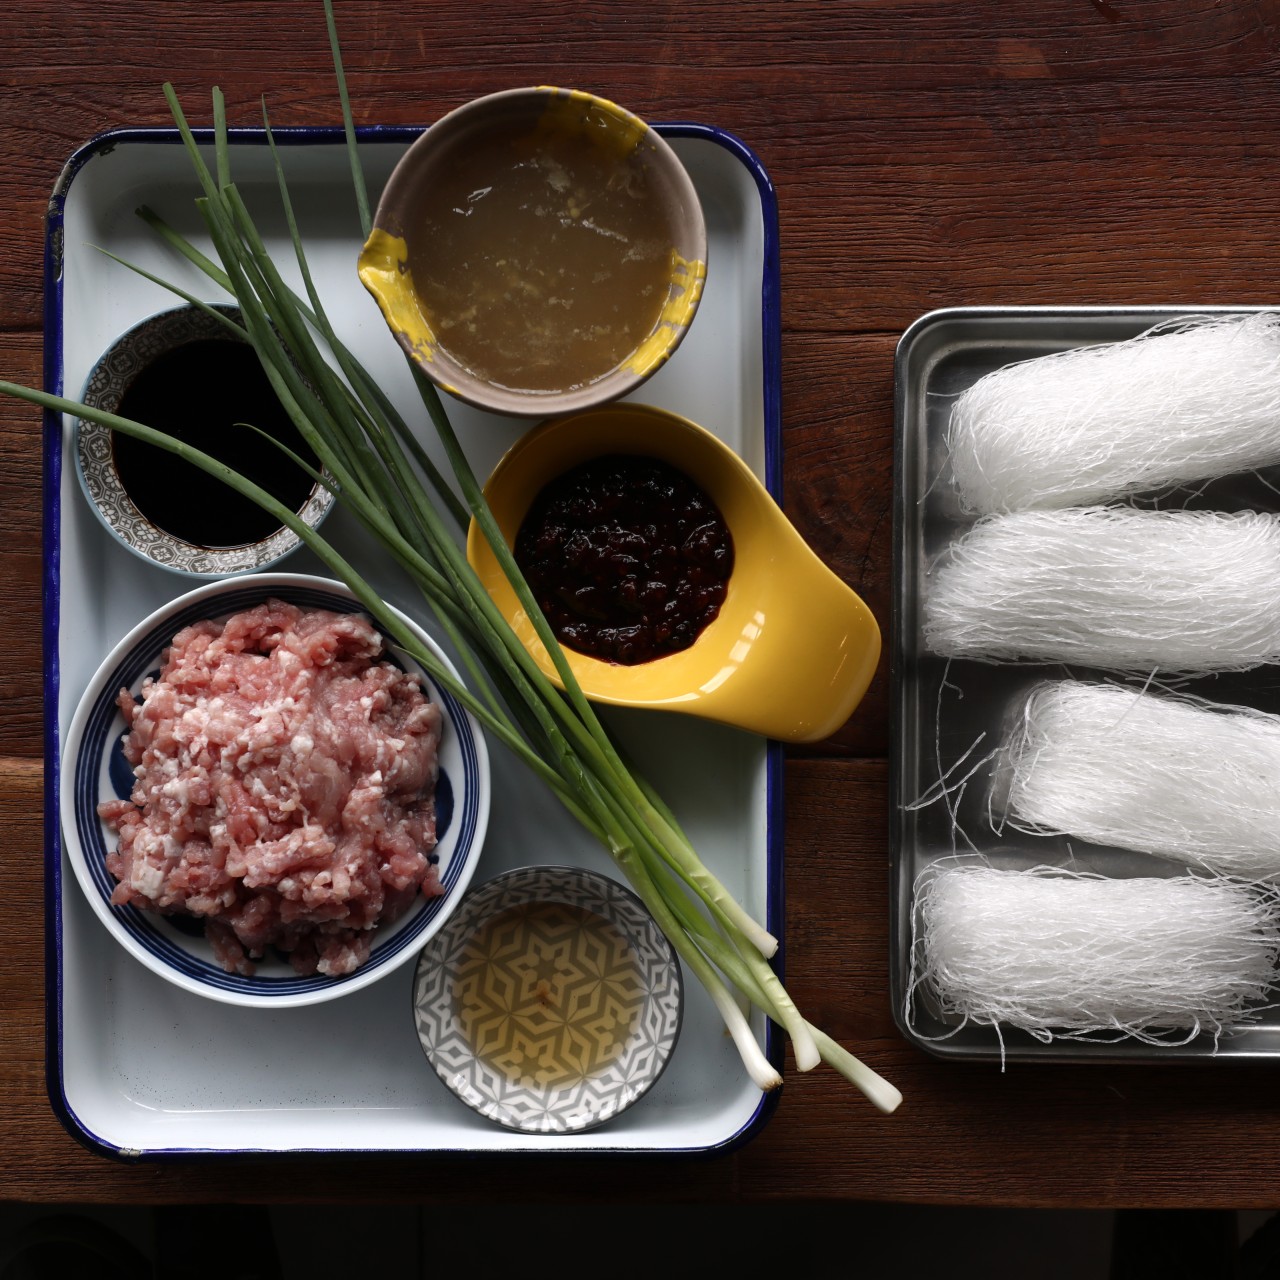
x: 926, y: 153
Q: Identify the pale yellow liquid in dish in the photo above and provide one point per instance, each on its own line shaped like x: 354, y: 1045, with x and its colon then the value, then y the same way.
x: 541, y: 266
x: 547, y: 994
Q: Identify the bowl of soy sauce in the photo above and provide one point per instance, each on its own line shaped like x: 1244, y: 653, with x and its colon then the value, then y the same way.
x: 189, y: 374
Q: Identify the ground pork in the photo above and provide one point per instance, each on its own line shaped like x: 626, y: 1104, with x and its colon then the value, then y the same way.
x: 284, y: 783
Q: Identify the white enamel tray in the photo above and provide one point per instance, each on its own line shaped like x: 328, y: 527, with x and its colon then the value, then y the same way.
x: 142, y: 1069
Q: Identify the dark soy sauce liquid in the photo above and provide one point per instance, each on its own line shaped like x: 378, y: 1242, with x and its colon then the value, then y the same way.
x: 628, y: 558
x: 198, y: 392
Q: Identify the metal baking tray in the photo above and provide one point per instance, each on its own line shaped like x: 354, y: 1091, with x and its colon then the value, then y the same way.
x: 940, y: 710
x: 139, y: 1068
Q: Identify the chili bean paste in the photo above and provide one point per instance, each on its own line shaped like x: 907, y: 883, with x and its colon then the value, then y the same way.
x: 628, y: 558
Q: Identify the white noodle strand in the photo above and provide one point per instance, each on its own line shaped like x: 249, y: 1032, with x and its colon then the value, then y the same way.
x: 1111, y: 587
x: 1166, y: 408
x: 1056, y: 953
x: 1194, y: 782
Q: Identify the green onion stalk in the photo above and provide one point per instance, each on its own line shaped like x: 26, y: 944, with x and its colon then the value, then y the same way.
x: 376, y: 467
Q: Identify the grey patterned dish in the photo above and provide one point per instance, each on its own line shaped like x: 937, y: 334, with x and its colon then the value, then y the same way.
x: 550, y: 1001
x: 100, y: 481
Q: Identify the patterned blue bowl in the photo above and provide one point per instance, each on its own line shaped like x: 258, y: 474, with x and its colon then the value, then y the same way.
x: 551, y: 1001
x: 94, y: 769
x: 156, y: 336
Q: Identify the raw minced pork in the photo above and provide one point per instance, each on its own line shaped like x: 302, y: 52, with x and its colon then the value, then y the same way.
x: 284, y: 788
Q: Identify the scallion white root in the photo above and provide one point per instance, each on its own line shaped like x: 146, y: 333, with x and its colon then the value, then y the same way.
x: 878, y: 1091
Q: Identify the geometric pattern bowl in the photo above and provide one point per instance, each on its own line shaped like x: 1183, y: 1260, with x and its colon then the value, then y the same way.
x: 550, y: 1001
x: 94, y: 770
x: 95, y: 465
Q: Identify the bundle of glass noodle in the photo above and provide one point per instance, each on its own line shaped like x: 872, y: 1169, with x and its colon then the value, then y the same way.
x: 1195, y: 782
x: 1111, y: 587
x: 1054, y: 953
x: 1168, y: 407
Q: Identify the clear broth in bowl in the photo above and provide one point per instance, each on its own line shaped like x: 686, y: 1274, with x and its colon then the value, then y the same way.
x: 548, y: 993
x: 539, y: 262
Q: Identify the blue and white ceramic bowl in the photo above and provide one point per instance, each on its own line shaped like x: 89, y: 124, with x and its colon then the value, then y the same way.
x: 94, y: 769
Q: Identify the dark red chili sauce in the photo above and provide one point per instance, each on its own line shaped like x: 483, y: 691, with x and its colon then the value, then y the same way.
x: 628, y: 558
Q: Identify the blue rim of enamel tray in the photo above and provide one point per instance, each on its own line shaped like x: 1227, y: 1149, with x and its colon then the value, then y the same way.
x: 52, y: 496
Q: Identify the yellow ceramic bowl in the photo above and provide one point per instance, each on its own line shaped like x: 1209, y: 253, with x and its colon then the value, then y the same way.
x: 512, y: 233
x: 793, y: 648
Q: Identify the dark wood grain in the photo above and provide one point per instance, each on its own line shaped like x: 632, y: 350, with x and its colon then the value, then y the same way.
x: 20, y: 558
x: 926, y: 153
x: 838, y: 473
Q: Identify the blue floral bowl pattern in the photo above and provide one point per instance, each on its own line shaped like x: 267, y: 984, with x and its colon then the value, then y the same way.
x: 94, y: 769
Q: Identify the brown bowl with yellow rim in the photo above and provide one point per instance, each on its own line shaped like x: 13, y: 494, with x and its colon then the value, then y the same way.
x: 538, y: 251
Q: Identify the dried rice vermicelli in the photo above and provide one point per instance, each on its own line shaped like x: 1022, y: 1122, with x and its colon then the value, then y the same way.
x: 1055, y: 953
x: 1095, y: 423
x: 1112, y: 587
x: 1195, y: 782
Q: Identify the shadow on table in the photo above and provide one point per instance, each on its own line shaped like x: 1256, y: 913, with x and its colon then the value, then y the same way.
x: 905, y: 1242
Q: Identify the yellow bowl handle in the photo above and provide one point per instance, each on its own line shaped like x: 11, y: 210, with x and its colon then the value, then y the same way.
x: 798, y: 673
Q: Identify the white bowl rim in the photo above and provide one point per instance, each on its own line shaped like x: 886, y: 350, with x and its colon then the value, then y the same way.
x: 366, y: 974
